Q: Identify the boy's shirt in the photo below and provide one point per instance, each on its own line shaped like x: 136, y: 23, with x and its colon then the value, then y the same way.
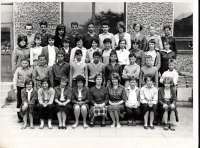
x: 78, y: 68
x: 21, y: 75
x: 58, y: 71
x: 72, y: 37
x: 44, y: 40
x: 102, y: 36
x: 72, y: 55
x: 133, y: 70
x: 123, y: 56
x: 87, y: 40
x: 94, y: 69
x: 90, y: 53
x: 30, y: 40
x: 158, y: 41
x: 173, y: 74
x: 41, y: 72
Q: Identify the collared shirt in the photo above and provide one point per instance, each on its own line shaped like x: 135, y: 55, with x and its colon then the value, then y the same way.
x: 153, y: 54
x: 46, y: 97
x: 132, y: 97
x: 52, y: 55
x: 118, y: 94
x: 133, y: 70
x: 149, y: 94
x: 106, y: 35
x: 90, y: 53
x: 72, y: 56
x: 122, y: 55
x: 173, y: 74
x: 62, y: 96
x: 29, y: 93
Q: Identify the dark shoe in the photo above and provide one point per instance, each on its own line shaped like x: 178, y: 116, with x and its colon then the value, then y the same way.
x: 19, y: 121
x: 59, y: 127
x: 91, y: 124
x: 103, y: 124
x: 146, y: 127
x: 130, y: 124
x: 166, y: 128
x: 152, y: 127
x: 134, y: 124
x: 171, y: 128
x: 64, y: 127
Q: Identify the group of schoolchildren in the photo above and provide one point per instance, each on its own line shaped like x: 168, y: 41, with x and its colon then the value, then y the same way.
x: 94, y: 74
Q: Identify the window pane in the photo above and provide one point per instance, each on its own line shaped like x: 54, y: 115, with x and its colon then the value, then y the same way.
x: 6, y: 13
x: 80, y: 12
x: 113, y: 12
x: 183, y: 19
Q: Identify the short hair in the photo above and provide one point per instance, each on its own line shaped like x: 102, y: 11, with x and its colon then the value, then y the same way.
x: 167, y: 26
x: 51, y: 36
x: 64, y: 79
x: 59, y: 27
x: 96, y: 40
x: 132, y: 78
x: 46, y: 80
x: 107, y: 40
x: 28, y: 24
x: 61, y: 52
x: 28, y: 81
x: 97, y: 53
x: 152, y: 41
x: 168, y: 80
x: 78, y: 52
x: 132, y: 54
x: 105, y: 23
x: 99, y: 75
x: 113, y: 52
x: 116, y: 76
x: 90, y: 23
x: 121, y: 25
x: 78, y: 38
x: 25, y: 59
x: 136, y: 24
x: 149, y: 76
x: 172, y: 61
x: 43, y: 23
x: 74, y: 23
x: 80, y: 78
x: 22, y: 37
x: 66, y: 39
x: 121, y: 40
x: 148, y: 57
x: 41, y: 55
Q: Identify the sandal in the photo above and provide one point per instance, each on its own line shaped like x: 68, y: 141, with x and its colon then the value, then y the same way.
x: 59, y: 127
x: 64, y: 127
x: 24, y: 127
x: 74, y: 126
x: 85, y: 126
x: 146, y: 127
x: 32, y: 127
x: 152, y: 127
x: 134, y: 124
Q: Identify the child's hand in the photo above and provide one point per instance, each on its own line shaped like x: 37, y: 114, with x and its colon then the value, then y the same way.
x: 172, y: 106
x: 16, y: 91
x: 165, y: 106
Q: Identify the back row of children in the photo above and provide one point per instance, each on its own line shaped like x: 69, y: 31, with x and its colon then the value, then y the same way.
x: 53, y: 62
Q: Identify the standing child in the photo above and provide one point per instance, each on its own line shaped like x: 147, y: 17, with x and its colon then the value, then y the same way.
x: 73, y: 34
x: 167, y: 100
x: 79, y: 46
x: 35, y: 51
x: 41, y: 71
x: 95, y: 67
x: 50, y: 51
x: 148, y: 69
x: 140, y: 60
x: 20, y: 76
x: 149, y: 100
x: 106, y: 34
x: 87, y: 38
x: 59, y: 35
x: 154, y: 53
x: 66, y: 49
x: 43, y: 33
x: 112, y: 67
x: 60, y: 69
x: 106, y: 51
x: 157, y: 38
x: 21, y: 52
x: 171, y: 72
x: 78, y: 67
x: 29, y: 96
x: 131, y: 69
x: 95, y: 44
x: 29, y: 34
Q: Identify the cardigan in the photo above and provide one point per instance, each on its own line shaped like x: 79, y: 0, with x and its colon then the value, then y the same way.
x: 172, y: 42
x: 17, y: 56
x: 109, y: 69
x: 67, y: 93
x: 50, y: 95
x: 33, y: 97
x: 84, y: 93
x: 148, y: 95
x: 137, y: 91
x: 95, y: 69
x: 133, y: 70
x: 45, y: 51
x: 161, y: 95
x: 127, y: 37
x: 87, y: 40
x: 142, y: 39
x: 98, y: 95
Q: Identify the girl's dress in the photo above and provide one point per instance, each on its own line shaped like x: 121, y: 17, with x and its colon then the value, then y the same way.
x: 34, y: 53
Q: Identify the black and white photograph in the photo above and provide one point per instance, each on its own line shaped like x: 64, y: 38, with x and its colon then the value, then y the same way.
x: 99, y: 74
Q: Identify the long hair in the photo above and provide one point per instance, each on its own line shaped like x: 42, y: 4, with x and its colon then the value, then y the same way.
x: 60, y: 26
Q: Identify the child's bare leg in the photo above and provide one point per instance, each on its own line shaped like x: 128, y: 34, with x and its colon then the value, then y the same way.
x: 76, y: 114
x: 31, y: 120
x: 63, y: 118
x: 25, y: 121
x: 84, y: 115
x: 117, y: 119
x: 151, y: 118
x: 146, y: 118
x: 113, y: 118
x: 59, y: 118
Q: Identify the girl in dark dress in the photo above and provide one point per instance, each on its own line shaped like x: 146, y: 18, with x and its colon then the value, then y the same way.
x: 59, y: 35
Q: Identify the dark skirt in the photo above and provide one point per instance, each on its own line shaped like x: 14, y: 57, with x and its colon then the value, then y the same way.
x: 30, y: 109
x: 145, y: 108
x: 66, y: 109
x: 169, y: 109
x: 118, y: 108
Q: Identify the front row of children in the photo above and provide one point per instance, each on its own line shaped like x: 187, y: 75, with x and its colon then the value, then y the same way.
x: 99, y: 100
